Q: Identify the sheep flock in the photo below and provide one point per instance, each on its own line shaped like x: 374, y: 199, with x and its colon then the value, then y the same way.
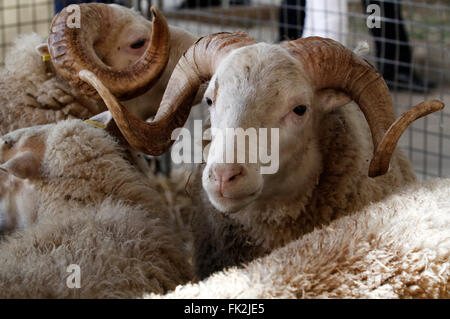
x: 341, y: 216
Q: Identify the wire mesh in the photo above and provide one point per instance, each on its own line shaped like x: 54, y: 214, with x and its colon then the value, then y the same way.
x: 411, y: 49
x: 22, y: 16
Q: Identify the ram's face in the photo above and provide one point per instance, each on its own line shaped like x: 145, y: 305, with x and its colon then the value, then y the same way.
x: 21, y: 154
x: 256, y: 87
x: 130, y: 35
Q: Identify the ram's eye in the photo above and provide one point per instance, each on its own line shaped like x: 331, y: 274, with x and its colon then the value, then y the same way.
x: 138, y: 44
x: 300, y: 110
x: 7, y: 144
x: 209, y: 101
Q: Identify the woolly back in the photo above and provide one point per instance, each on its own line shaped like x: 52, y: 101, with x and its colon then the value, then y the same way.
x: 87, y: 165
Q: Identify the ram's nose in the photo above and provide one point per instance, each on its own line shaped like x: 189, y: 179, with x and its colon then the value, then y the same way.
x: 226, y: 175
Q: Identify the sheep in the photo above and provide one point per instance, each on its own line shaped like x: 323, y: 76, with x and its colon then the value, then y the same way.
x: 303, y: 89
x: 396, y: 248
x: 75, y: 200
x: 36, y: 92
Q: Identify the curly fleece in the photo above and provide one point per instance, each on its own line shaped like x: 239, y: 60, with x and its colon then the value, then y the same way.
x: 98, y: 211
x: 397, y: 248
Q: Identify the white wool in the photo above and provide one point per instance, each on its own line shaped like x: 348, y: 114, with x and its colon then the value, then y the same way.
x: 22, y: 59
x: 397, y: 248
x: 93, y: 208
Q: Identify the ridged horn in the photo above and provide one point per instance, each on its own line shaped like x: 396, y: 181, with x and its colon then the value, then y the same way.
x: 389, y: 142
x: 72, y: 50
x: 330, y: 65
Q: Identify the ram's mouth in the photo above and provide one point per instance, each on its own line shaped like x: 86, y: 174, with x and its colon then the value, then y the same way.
x: 231, y: 204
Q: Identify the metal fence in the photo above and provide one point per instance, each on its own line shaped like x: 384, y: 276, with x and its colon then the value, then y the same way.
x: 411, y: 49
x: 22, y: 16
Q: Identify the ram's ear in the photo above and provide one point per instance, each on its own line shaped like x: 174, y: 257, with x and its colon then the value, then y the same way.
x: 24, y: 165
x: 329, y: 99
x: 105, y: 121
x: 42, y: 49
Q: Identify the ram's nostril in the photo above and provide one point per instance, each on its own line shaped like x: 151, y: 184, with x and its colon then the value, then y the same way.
x: 225, y: 174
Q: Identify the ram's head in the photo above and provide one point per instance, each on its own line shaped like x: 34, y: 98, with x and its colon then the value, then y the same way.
x: 125, y: 50
x: 289, y: 87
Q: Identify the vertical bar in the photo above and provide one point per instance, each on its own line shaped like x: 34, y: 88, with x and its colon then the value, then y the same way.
x: 2, y: 26
x: 441, y: 96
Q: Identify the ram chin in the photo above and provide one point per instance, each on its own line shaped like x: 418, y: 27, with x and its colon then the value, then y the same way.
x: 232, y: 204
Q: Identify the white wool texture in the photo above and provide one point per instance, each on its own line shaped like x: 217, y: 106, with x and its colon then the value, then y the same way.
x: 397, y: 248
x: 98, y: 211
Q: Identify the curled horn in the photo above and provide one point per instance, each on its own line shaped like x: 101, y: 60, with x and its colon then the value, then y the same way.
x: 72, y: 50
x: 383, y: 154
x: 330, y: 65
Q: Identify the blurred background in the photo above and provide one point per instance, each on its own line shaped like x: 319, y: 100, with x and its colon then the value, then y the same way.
x: 409, y: 43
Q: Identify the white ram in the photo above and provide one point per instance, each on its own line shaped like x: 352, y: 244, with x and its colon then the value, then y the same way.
x: 334, y: 157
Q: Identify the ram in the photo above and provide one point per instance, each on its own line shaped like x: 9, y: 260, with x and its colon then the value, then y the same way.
x: 73, y: 199
x: 331, y: 163
x: 397, y: 248
x: 113, y: 41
